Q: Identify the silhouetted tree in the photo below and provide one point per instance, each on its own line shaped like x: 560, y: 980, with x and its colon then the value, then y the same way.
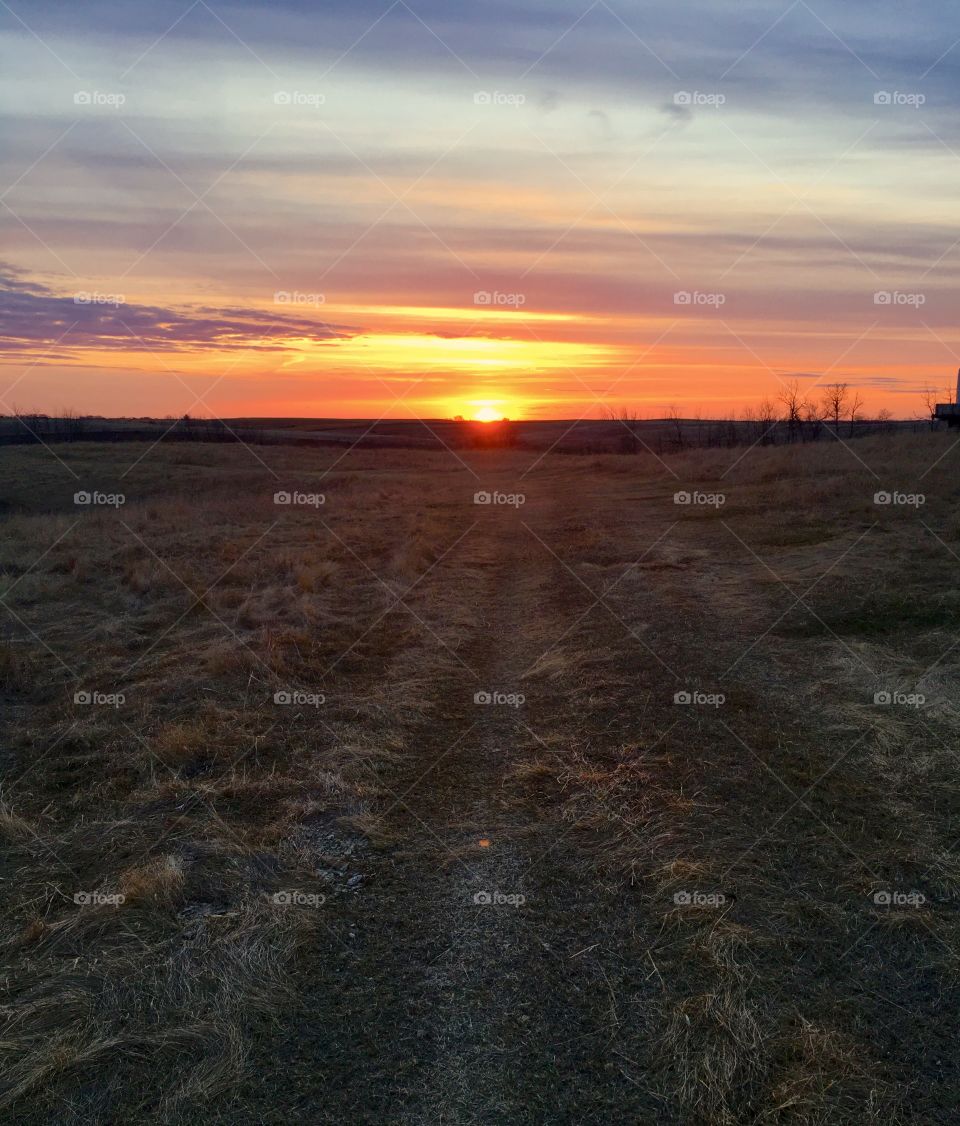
x: 834, y: 404
x: 628, y: 442
x: 794, y: 405
x: 673, y: 416
x: 856, y: 406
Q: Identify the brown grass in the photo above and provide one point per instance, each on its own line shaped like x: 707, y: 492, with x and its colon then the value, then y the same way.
x: 198, y: 798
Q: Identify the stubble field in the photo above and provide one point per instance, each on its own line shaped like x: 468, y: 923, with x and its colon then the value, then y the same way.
x: 580, y: 805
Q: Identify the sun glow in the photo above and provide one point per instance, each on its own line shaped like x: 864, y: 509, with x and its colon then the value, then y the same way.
x: 425, y: 352
x: 436, y: 376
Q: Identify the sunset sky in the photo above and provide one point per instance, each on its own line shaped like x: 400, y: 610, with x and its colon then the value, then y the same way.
x: 360, y: 208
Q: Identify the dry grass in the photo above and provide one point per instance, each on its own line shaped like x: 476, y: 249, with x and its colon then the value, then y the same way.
x: 798, y: 799
x: 179, y: 813
x: 188, y: 799
x: 13, y: 827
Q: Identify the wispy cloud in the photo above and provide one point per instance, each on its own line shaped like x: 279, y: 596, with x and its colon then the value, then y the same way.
x: 33, y: 319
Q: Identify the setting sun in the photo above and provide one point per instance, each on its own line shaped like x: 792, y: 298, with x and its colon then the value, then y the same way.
x: 486, y: 414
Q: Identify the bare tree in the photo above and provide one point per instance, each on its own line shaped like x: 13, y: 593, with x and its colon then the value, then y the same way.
x: 856, y: 406
x: 930, y: 404
x: 629, y: 441
x: 813, y: 420
x: 834, y: 404
x: 794, y: 404
x: 68, y: 424
x: 767, y: 423
x: 751, y: 427
x: 673, y: 416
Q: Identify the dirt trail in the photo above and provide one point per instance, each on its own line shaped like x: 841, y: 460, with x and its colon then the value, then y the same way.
x: 427, y: 1005
x: 478, y: 989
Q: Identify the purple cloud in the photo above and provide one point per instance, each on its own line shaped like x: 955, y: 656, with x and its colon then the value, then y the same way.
x: 35, y: 320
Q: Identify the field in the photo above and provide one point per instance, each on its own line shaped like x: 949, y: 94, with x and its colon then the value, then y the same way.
x: 619, y: 433
x: 583, y: 805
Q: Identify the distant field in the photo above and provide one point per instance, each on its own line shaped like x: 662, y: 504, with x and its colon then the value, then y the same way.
x: 657, y: 436
x: 589, y: 802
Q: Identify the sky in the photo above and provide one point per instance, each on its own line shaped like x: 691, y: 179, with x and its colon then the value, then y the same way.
x: 541, y: 209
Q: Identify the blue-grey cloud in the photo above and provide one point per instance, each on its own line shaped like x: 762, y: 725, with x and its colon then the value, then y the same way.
x: 34, y: 319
